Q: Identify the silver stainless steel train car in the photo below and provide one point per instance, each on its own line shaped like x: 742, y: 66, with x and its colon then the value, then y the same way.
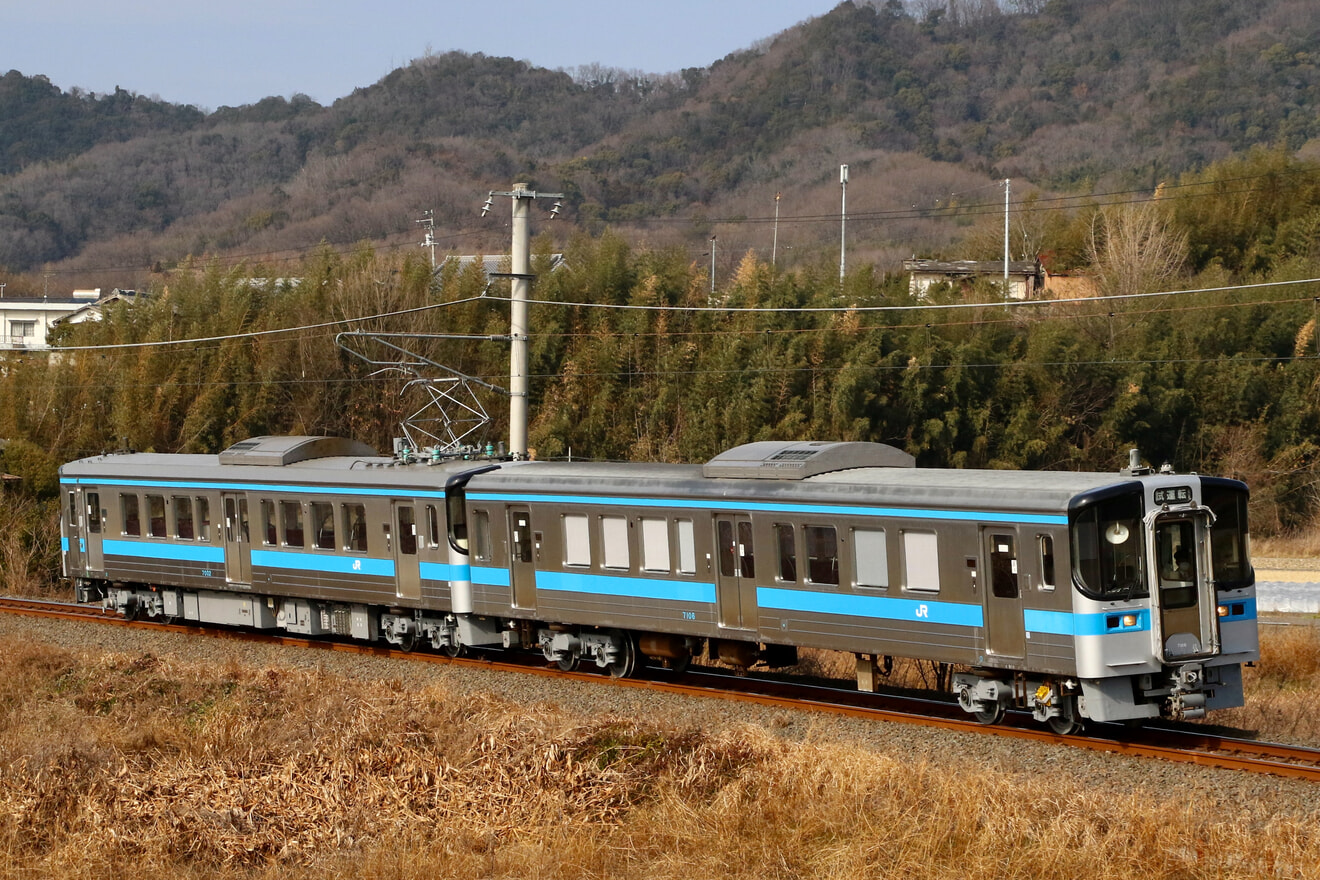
x: 1076, y: 595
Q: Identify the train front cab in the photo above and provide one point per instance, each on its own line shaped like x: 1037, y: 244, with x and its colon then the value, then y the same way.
x: 1164, y: 598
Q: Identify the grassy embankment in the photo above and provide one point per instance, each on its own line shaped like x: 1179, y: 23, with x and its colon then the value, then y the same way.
x: 145, y: 767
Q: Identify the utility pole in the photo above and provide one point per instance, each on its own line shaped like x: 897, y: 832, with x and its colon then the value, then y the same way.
x: 774, y: 247
x: 521, y: 275
x: 712, y: 265
x: 428, y: 241
x: 1006, y: 186
x: 843, y: 218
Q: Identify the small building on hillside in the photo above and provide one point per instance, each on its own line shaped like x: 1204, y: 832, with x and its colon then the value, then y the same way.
x: 27, y: 321
x: 95, y: 311
x: 1024, y: 276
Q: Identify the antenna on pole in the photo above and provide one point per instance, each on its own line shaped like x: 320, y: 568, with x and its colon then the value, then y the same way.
x: 774, y: 246
x: 521, y: 275
x: 428, y: 241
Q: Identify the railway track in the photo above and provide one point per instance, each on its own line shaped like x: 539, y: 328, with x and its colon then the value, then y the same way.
x: 1185, y: 743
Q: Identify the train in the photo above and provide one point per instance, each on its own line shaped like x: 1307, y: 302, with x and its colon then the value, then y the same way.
x: 1115, y: 597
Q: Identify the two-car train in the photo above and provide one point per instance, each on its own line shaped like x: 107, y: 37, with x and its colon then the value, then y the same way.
x: 1076, y: 595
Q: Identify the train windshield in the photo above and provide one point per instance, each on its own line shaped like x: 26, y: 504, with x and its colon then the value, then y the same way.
x: 1107, y: 549
x: 1229, y: 548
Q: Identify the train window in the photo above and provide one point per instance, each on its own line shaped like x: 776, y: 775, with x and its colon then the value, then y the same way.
x: 1003, y: 566
x: 737, y: 556
x: 822, y: 554
x: 432, y: 526
x: 156, y: 515
x: 1046, y: 544
x: 655, y: 544
x: 355, y: 527
x: 291, y: 518
x: 128, y: 510
x: 921, y: 561
x: 577, y: 540
x: 456, y: 514
x: 183, y: 517
x: 687, y: 546
x: 94, y: 512
x: 323, y: 525
x: 268, y: 522
x: 870, y: 558
x: 407, y: 531
x: 614, y: 541
x: 787, y: 542
x: 73, y: 510
x: 1228, y: 536
x: 203, y: 519
x: 1175, y: 554
x: 481, y: 532
x: 1107, y: 549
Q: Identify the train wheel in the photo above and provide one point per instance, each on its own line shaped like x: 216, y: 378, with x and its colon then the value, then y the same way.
x: 408, y: 641
x: 990, y: 716
x: 626, y: 663
x: 568, y: 662
x: 1067, y: 723
x: 455, y: 650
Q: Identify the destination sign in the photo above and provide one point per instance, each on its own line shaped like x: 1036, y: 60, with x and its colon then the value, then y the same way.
x: 1174, y: 495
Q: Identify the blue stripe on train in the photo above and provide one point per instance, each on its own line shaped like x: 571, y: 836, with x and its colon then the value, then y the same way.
x: 160, y: 550
x: 625, y: 587
x: 876, y: 607
x: 490, y: 577
x: 443, y: 571
x: 360, y: 565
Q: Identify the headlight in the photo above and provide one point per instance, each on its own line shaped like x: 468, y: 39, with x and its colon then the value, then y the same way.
x: 1129, y: 620
x: 1223, y: 610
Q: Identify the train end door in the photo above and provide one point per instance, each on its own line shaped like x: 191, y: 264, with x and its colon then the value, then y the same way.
x: 1185, y: 592
x: 85, y: 525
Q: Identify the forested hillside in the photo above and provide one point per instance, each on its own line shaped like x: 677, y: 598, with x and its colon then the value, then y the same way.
x: 633, y: 358
x: 924, y: 101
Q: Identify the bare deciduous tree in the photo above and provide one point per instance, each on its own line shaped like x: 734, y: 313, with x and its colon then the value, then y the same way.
x: 1136, y: 248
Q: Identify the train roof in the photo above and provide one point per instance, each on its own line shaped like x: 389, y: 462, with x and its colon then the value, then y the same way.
x: 869, y: 486
x: 861, y: 474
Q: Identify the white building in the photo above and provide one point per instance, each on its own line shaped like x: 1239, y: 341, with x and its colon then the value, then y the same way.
x: 26, y: 322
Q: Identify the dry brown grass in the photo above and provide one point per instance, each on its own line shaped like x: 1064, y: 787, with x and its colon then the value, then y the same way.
x: 1304, y: 544
x: 141, y: 767
x: 1283, y: 689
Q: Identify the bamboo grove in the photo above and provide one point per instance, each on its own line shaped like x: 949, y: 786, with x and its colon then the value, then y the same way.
x: 634, y: 357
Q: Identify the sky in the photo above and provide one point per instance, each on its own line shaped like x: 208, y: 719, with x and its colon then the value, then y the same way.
x: 233, y: 52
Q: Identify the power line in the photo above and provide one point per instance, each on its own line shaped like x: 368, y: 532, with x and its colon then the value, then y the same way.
x: 256, y: 333
x: 910, y: 308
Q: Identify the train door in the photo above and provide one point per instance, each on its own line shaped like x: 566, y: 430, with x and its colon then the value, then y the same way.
x: 1005, y: 634
x: 522, y: 567
x: 1187, y: 606
x: 407, y: 572
x: 90, y: 525
x: 238, y: 563
x: 736, y: 575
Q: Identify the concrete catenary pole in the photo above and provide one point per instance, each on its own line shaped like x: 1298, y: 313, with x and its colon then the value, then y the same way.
x: 521, y: 275
x: 521, y: 270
